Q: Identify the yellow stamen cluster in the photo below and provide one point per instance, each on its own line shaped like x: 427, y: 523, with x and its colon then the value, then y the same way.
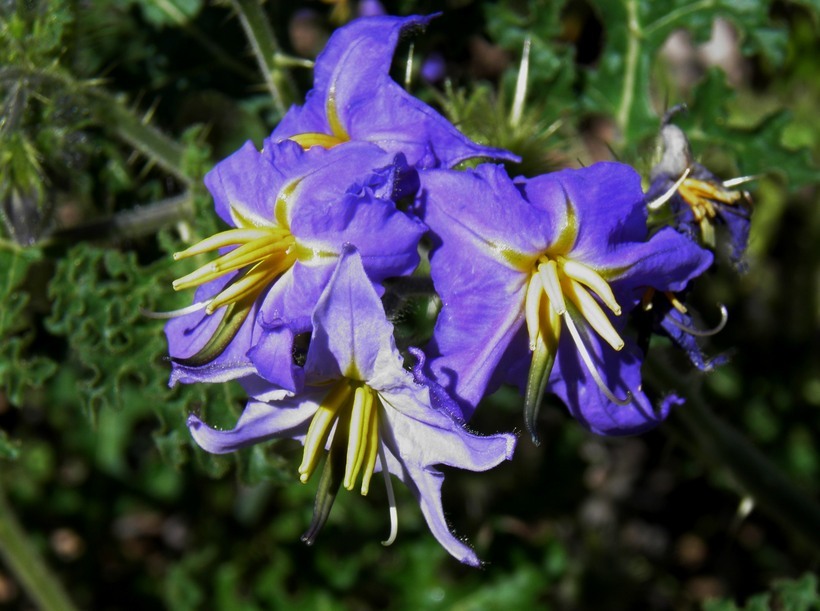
x: 349, y: 412
x: 265, y: 252
x: 555, y: 279
x: 701, y: 195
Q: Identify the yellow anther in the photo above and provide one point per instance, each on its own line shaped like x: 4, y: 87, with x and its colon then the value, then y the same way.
x: 590, y: 278
x: 675, y: 302
x: 372, y: 447
x: 223, y: 239
x: 711, y: 191
x: 358, y: 437
x: 548, y: 271
x: 592, y: 312
x: 320, y: 426
x: 532, y: 304
x: 253, y: 281
x: 646, y: 300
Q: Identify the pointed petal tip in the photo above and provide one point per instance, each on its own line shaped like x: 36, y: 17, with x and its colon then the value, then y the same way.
x: 512, y: 440
x: 193, y: 422
x: 470, y: 559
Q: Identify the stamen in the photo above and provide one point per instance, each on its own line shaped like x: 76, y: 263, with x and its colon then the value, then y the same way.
x: 667, y: 195
x: 236, y: 259
x: 675, y: 302
x: 391, y: 499
x: 228, y: 238
x: 724, y: 318
x: 372, y: 447
x: 194, y: 307
x: 543, y: 359
x: 531, y: 307
x: 589, y: 277
x: 593, y: 313
x: 646, y: 300
x: 711, y: 191
x: 552, y: 285
x: 357, y: 439
x: 249, y: 253
x: 587, y: 358
x: 319, y: 428
x: 254, y: 280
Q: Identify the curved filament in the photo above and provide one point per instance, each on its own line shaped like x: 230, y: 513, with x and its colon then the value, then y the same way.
x: 724, y: 318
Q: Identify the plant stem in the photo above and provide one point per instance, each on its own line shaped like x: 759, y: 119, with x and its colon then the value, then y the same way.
x: 265, y: 48
x: 147, y: 139
x: 632, y: 56
x: 27, y: 564
x: 109, y: 111
x: 128, y: 224
x: 725, y: 446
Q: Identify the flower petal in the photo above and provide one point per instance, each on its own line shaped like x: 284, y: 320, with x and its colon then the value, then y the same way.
x: 354, y: 94
x: 287, y: 419
x: 351, y: 335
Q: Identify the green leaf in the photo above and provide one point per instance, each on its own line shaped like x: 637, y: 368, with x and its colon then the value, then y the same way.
x: 20, y: 370
x: 757, y: 149
x: 635, y: 31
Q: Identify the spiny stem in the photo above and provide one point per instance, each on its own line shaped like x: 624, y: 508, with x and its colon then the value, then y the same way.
x: 265, y: 48
x: 27, y: 565
x: 144, y: 137
x: 110, y: 111
x: 632, y: 56
x: 129, y: 224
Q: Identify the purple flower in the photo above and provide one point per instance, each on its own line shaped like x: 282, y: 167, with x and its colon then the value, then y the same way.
x: 291, y: 213
x: 535, y: 277
x: 354, y: 98
x: 366, y: 410
x: 698, y: 199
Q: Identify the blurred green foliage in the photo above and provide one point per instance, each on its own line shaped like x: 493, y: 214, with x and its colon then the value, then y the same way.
x: 112, y: 109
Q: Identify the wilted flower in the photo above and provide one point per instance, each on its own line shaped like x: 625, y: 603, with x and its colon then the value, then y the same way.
x: 698, y: 199
x: 367, y: 411
x: 527, y: 270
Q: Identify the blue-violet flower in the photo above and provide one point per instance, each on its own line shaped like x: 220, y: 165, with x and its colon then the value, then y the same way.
x: 291, y: 212
x: 354, y: 98
x: 535, y: 277
x: 370, y: 414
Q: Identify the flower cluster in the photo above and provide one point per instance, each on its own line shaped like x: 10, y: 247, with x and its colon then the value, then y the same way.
x: 537, y: 278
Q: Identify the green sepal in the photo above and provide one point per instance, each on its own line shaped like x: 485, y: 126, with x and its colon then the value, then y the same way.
x: 331, y: 480
x: 543, y: 358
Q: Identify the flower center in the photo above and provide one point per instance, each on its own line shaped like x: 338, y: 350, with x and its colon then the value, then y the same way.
x: 263, y: 253
x: 560, y: 288
x: 349, y: 416
x: 555, y: 278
